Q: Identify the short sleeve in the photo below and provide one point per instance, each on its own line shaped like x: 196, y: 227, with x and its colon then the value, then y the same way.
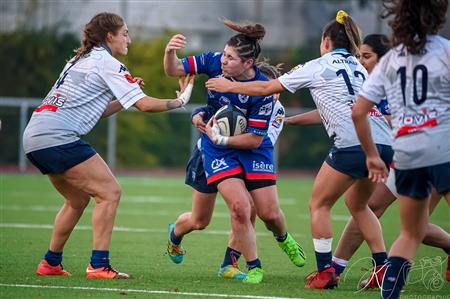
x: 205, y: 63
x: 373, y: 88
x: 301, y: 76
x: 259, y: 115
x: 121, y: 83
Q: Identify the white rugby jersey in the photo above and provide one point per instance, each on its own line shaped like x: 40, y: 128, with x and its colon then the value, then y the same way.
x: 78, y: 99
x: 276, y: 123
x: 334, y: 80
x: 418, y: 91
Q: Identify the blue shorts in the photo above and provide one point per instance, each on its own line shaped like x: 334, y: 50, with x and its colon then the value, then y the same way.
x: 219, y: 162
x: 58, y: 159
x: 352, y: 160
x: 258, y: 164
x: 416, y: 183
x: 195, y: 173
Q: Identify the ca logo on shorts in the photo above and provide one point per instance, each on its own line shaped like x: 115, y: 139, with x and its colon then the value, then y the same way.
x: 218, y: 164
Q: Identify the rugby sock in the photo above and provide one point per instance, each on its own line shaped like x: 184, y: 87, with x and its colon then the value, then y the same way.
x: 322, y: 249
x: 231, y: 257
x: 99, y: 258
x: 281, y: 238
x: 174, y: 239
x: 53, y: 258
x: 339, y: 264
x: 379, y: 258
x: 396, y: 273
x: 254, y: 264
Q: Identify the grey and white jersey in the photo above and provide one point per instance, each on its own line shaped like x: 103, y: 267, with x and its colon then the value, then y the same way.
x: 418, y: 91
x: 334, y: 80
x: 78, y: 99
x: 276, y: 122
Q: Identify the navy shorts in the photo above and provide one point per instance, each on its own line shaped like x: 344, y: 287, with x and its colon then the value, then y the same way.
x: 58, y: 159
x: 416, y: 183
x: 352, y: 160
x: 195, y: 174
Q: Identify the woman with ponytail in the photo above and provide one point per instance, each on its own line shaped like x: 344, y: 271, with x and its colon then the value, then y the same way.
x: 93, y: 84
x: 226, y: 168
x: 334, y: 79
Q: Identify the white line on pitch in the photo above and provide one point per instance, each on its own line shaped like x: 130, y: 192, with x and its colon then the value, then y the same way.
x: 141, y: 291
x: 120, y: 229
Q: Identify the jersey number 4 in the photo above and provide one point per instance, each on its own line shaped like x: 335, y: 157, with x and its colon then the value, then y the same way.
x: 347, y: 79
x: 419, y: 68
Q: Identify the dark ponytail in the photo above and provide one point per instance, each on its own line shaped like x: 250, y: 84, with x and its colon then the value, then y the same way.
x: 247, y: 42
x: 344, y: 33
x: 96, y: 31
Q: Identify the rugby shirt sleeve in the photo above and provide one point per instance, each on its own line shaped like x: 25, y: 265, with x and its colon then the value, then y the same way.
x: 301, y: 76
x: 373, y: 88
x: 121, y: 83
x: 205, y: 63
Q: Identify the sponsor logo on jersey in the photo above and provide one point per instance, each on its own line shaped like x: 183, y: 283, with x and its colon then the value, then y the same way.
x: 341, y: 60
x: 243, y: 98
x: 411, y: 123
x: 257, y: 123
x: 218, y: 165
x: 265, y: 109
x: 295, y: 68
x: 52, y: 102
x: 261, y: 166
x: 224, y: 101
x: 129, y: 78
x: 123, y: 68
x: 276, y: 123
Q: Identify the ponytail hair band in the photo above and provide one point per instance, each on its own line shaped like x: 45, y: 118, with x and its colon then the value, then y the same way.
x: 340, y: 16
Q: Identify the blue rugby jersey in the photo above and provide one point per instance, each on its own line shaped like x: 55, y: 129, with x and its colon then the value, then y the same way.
x: 257, y: 109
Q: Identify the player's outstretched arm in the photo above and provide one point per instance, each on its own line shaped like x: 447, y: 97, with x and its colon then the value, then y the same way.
x: 172, y: 64
x: 307, y: 118
x: 151, y: 104
x: 254, y: 88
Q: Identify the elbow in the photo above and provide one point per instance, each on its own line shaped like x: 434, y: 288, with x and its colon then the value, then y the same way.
x: 357, y: 115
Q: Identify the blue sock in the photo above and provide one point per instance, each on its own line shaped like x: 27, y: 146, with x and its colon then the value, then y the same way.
x: 100, y: 258
x: 395, y: 277
x: 379, y: 258
x: 339, y: 269
x: 281, y: 238
x: 254, y: 264
x: 323, y: 260
x: 231, y: 257
x: 53, y: 258
x: 174, y: 239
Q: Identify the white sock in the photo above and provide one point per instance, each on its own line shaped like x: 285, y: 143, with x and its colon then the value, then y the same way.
x: 322, y: 245
x: 340, y: 262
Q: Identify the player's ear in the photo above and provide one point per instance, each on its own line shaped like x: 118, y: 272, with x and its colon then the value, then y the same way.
x: 249, y: 63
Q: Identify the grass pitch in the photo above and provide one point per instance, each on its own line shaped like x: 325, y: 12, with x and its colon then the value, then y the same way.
x: 28, y: 205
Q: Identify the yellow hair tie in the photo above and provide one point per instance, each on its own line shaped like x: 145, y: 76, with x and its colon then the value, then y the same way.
x: 340, y: 16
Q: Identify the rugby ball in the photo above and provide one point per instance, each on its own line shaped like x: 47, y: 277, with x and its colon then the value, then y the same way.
x: 231, y: 120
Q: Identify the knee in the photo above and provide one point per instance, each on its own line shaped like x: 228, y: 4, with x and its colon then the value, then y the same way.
x: 200, y: 224
x: 316, y: 204
x: 270, y: 216
x: 111, y: 194
x: 240, y: 212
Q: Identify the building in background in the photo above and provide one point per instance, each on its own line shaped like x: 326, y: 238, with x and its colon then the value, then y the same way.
x: 288, y: 22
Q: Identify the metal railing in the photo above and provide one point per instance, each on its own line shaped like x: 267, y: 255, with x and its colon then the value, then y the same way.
x: 24, y: 104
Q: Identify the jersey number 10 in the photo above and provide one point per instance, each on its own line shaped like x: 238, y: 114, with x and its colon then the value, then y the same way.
x: 423, y: 69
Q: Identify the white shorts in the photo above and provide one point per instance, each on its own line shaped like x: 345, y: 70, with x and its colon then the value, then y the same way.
x: 390, y: 182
